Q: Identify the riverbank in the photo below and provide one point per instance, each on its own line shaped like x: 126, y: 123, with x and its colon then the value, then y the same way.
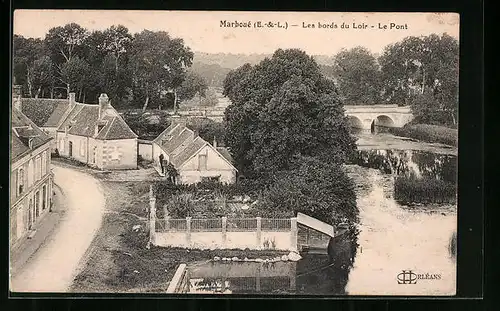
x: 118, y: 258
x: 428, y: 133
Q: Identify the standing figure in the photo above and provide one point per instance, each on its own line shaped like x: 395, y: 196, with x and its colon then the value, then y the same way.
x: 161, y: 164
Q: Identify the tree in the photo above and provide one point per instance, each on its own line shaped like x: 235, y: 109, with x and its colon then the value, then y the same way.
x: 117, y: 41
x: 419, y: 67
x: 42, y: 75
x: 207, y: 129
x: 358, y: 76
x: 158, y: 63
x: 66, y: 42
x: 313, y: 187
x: 74, y: 75
x: 26, y: 61
x: 283, y: 107
x: 193, y: 84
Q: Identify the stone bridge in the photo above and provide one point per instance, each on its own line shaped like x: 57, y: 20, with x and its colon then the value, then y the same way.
x: 364, y: 117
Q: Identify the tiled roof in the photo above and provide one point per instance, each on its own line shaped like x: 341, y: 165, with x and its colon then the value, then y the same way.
x: 83, y: 119
x: 178, y: 142
x: 183, y: 144
x: 225, y: 153
x: 22, y: 130
x: 72, y: 114
x: 188, y: 151
x: 168, y: 131
x: 44, y: 111
x: 116, y: 128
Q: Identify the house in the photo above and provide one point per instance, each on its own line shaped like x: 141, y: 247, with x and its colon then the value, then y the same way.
x: 194, y: 159
x: 31, y: 179
x: 95, y: 135
x: 98, y: 136
x: 46, y: 113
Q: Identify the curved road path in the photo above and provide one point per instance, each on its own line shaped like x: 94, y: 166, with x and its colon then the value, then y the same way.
x: 55, y: 264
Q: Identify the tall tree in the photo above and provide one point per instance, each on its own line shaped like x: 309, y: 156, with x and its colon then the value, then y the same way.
x: 74, y: 75
x: 358, y: 76
x: 26, y: 53
x: 117, y: 40
x: 65, y: 43
x: 158, y: 63
x: 43, y: 75
x: 193, y: 84
x: 421, y: 67
x: 283, y: 107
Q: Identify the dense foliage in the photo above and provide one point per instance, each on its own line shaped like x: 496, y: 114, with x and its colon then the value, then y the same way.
x: 428, y: 133
x: 141, y: 70
x: 283, y: 107
x: 358, y: 77
x: 313, y: 187
x: 425, y: 190
x: 423, y: 72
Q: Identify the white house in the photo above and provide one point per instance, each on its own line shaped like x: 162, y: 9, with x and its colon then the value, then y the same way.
x: 194, y: 158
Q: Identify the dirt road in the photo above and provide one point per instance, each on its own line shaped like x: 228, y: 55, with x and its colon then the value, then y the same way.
x: 54, y: 266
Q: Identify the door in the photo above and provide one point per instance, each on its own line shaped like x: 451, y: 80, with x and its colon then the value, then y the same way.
x: 70, y: 150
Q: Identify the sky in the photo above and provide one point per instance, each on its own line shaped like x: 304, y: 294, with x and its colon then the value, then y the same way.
x: 202, y: 31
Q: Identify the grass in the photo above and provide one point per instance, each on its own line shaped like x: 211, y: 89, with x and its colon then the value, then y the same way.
x: 415, y: 191
x: 118, y: 260
x: 428, y: 133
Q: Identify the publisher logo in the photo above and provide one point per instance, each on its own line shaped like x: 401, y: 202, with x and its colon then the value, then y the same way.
x: 407, y: 277
x: 410, y: 277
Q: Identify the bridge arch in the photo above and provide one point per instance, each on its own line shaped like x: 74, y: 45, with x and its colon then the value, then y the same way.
x: 355, y: 122
x: 384, y: 121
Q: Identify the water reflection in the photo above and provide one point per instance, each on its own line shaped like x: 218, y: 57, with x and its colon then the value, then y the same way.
x: 314, y: 274
x: 409, y: 163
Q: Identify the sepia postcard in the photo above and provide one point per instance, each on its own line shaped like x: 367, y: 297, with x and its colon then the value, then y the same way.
x: 231, y: 152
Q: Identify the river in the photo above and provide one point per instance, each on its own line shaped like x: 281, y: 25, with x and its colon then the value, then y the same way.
x: 392, y: 236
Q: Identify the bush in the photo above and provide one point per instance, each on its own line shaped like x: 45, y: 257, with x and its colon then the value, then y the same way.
x: 318, y: 189
x: 412, y: 190
x: 428, y: 133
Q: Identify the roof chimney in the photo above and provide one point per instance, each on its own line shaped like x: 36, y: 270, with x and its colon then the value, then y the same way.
x: 215, y: 142
x: 16, y: 97
x: 103, y: 104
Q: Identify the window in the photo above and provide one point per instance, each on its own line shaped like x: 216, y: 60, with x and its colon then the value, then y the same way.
x: 20, y: 181
x: 61, y: 145
x: 30, y: 173
x: 44, y: 197
x: 82, y: 148
x: 38, y: 168
x: 94, y: 155
x: 37, y: 204
x: 202, y: 162
x: 44, y: 163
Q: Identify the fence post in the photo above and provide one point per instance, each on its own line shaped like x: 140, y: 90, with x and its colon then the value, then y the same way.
x: 293, y: 234
x: 166, y: 217
x: 224, y: 231
x: 152, y: 216
x: 259, y: 232
x: 188, y: 231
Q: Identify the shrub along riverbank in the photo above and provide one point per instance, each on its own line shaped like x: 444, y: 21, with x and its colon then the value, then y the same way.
x: 426, y: 190
x: 428, y: 133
